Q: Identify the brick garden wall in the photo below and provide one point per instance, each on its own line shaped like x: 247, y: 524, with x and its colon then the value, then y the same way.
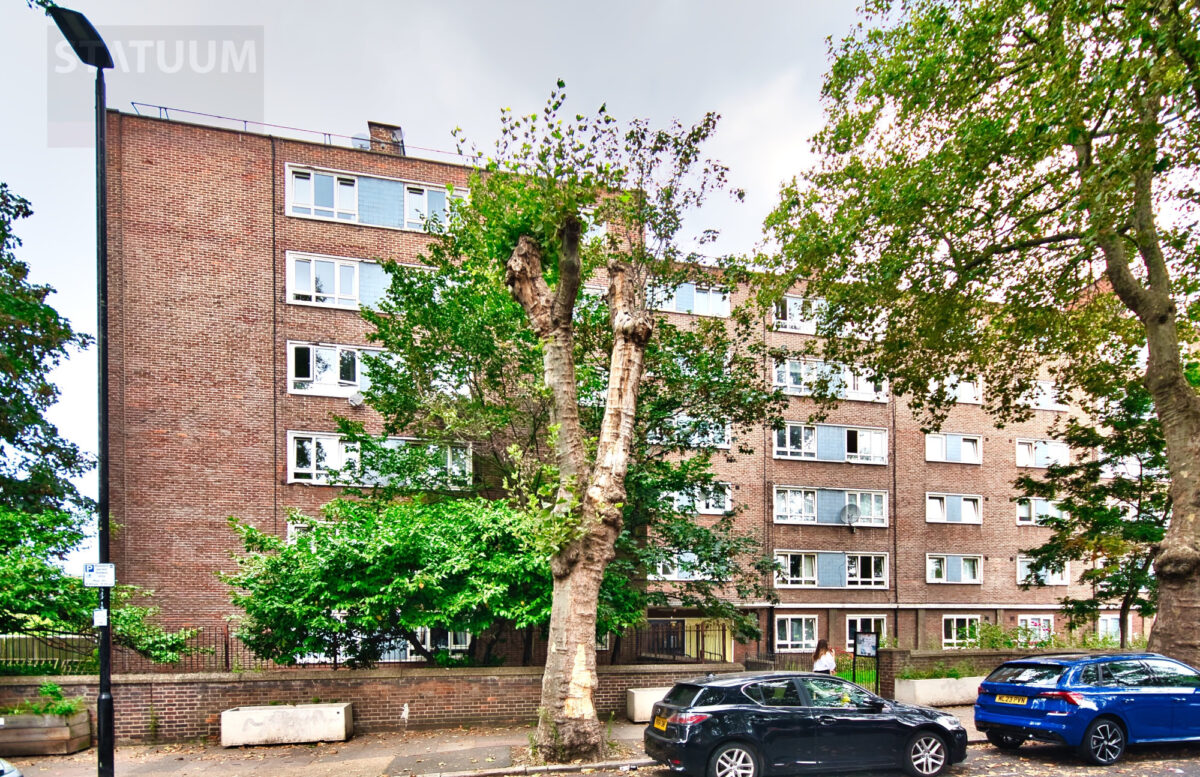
x: 167, y: 708
x: 892, y: 661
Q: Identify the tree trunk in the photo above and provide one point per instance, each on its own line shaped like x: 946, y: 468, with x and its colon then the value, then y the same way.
x: 568, y: 727
x: 1123, y: 623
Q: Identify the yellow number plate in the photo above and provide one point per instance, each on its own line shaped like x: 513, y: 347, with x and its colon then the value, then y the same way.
x: 660, y: 723
x: 1002, y: 699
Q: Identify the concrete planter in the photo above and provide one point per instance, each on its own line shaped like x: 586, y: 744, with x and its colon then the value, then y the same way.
x: 938, y: 692
x: 44, y: 734
x: 286, y: 724
x: 639, y: 702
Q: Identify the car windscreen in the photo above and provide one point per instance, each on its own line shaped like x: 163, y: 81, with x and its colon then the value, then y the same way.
x: 1027, y: 674
x: 682, y: 695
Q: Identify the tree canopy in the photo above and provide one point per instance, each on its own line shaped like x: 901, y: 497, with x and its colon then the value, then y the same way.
x: 1005, y: 191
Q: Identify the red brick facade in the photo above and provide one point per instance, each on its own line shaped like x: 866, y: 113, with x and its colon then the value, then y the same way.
x: 200, y: 324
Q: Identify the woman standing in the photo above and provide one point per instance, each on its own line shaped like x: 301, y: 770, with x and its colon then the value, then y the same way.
x: 823, y: 658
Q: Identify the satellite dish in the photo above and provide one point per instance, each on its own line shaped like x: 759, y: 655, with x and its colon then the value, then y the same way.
x: 355, y: 399
x: 361, y: 141
x: 850, y: 515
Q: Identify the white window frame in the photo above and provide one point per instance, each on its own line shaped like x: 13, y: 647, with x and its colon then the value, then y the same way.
x: 874, y: 435
x: 1031, y: 504
x: 715, y: 301
x: 881, y: 520
x: 342, y: 211
x: 1045, y: 629
x: 783, y: 578
x: 793, y: 646
x: 718, y: 503
x: 788, y: 519
x: 788, y: 452
x: 1062, y: 578
x: 930, y: 558
x: 1063, y: 457
x: 668, y: 570
x: 955, y: 642
x: 871, y: 581
x: 881, y: 619
x: 938, y: 514
x: 337, y: 388
x: 939, y: 439
x: 1044, y: 396
x: 805, y: 325
x: 345, y: 453
x: 338, y: 293
x: 695, y: 442
x: 1115, y: 619
x: 292, y: 170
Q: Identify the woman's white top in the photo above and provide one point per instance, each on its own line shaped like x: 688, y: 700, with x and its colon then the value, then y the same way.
x: 826, y: 663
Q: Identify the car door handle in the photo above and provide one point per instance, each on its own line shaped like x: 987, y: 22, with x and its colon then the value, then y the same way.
x: 827, y: 720
x: 1128, y: 701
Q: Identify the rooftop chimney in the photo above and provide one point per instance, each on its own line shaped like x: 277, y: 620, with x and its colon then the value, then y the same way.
x: 388, y: 138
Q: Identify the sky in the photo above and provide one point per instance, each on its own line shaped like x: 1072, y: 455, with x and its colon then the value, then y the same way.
x: 427, y: 66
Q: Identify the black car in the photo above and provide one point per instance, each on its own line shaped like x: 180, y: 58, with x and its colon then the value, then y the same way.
x: 751, y: 725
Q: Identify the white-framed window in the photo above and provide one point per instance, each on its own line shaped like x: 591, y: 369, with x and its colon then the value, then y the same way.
x: 872, y: 506
x: 1042, y: 453
x: 968, y: 392
x: 369, y: 200
x: 1108, y: 626
x: 798, y: 314
x: 863, y: 388
x: 801, y: 376
x: 691, y: 298
x: 937, y: 448
x: 1033, y: 512
x: 938, y: 508
x: 938, y: 569
x: 1045, y: 396
x: 876, y: 624
x: 328, y: 370
x: 1046, y: 577
x: 796, y: 441
x: 866, y: 570
x: 959, y: 630
x: 683, y: 566
x: 714, y: 501
x: 311, y: 456
x: 432, y: 640
x: 323, y: 195
x: 795, y: 633
x: 866, y: 446
x: 795, y: 505
x: 703, y: 434
x: 1037, y: 628
x: 796, y: 569
x: 323, y: 280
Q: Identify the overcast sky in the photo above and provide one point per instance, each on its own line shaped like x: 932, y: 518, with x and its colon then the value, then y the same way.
x: 428, y: 66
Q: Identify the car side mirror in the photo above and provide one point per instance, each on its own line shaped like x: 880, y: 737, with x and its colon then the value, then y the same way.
x: 876, y: 705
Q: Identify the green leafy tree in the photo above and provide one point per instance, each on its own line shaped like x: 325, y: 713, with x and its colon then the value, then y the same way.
x: 1113, y: 510
x: 989, y: 172
x: 36, y: 462
x: 533, y: 336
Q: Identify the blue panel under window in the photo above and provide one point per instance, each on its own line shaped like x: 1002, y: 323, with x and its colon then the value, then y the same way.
x: 954, y: 447
x: 829, y: 506
x: 953, y: 509
x: 831, y: 570
x: 380, y: 202
x: 372, y: 283
x: 831, y: 443
x: 953, y: 569
x: 685, y: 298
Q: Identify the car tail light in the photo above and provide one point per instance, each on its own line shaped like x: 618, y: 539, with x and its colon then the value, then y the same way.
x: 688, y: 718
x: 1067, y: 696
x: 980, y: 691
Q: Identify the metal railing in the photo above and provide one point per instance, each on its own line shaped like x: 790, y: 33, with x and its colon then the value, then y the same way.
x: 64, y: 654
x: 677, y: 642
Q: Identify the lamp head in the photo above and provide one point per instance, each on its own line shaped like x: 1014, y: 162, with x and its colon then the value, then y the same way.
x: 82, y: 36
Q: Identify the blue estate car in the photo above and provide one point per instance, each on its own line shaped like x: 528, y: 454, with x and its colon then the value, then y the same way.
x: 1094, y: 703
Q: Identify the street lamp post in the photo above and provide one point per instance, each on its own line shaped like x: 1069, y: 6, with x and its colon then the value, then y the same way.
x: 90, y: 48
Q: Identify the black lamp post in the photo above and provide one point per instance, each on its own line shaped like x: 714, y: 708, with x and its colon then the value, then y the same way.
x: 90, y: 48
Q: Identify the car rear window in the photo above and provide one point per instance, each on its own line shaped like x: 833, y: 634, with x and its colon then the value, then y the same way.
x: 682, y: 695
x: 1027, y: 674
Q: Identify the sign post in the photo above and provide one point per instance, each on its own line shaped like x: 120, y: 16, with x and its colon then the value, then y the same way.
x: 866, y: 644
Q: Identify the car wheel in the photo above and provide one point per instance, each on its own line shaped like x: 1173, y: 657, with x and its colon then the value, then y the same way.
x: 1005, y: 741
x: 926, y: 755
x: 733, y: 759
x: 1103, y: 742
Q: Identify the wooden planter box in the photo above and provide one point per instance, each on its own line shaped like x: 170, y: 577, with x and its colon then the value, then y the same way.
x: 44, y: 734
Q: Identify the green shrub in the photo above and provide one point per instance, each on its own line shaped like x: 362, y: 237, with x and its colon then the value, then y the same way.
x: 54, y: 703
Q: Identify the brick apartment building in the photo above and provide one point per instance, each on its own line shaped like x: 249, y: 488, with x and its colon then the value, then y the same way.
x: 238, y: 262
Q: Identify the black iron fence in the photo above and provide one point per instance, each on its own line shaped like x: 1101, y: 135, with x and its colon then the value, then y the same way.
x: 676, y: 641
x: 863, y: 670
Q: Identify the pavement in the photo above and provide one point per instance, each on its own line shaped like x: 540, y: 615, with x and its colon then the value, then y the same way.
x: 492, y: 751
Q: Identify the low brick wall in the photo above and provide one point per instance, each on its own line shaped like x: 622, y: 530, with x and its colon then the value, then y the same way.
x: 892, y: 661
x: 167, y: 708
